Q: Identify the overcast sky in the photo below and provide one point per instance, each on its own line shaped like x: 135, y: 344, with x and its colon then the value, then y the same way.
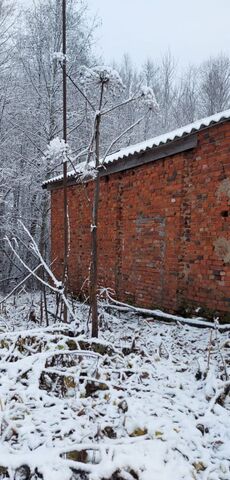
x: 191, y: 29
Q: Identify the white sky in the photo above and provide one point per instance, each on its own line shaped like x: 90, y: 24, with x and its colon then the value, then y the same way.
x: 191, y: 29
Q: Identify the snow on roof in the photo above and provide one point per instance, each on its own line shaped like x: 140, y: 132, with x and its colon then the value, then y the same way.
x: 151, y: 143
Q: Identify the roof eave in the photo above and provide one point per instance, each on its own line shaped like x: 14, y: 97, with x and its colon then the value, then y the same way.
x: 135, y: 160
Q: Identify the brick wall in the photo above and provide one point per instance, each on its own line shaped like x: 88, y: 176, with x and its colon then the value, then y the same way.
x: 164, y: 229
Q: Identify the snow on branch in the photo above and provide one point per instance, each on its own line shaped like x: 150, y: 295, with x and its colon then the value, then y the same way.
x: 144, y: 96
x: 55, y: 285
x: 59, y: 56
x: 148, y: 97
x: 101, y: 75
x: 122, y: 134
x: 199, y: 322
x: 56, y: 150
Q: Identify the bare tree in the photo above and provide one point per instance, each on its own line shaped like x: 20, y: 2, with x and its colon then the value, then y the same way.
x: 167, y: 90
x: 186, y: 107
x: 31, y: 113
x: 215, y: 85
x: 7, y: 19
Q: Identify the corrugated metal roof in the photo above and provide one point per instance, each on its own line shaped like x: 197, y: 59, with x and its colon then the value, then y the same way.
x: 152, y: 143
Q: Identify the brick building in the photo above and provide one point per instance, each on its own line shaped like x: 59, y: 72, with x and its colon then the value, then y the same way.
x: 164, y: 221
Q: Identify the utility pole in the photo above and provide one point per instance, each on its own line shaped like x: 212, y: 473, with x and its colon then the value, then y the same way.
x: 64, y: 83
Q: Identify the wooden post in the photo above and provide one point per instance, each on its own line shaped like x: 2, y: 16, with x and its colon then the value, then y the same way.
x: 64, y: 82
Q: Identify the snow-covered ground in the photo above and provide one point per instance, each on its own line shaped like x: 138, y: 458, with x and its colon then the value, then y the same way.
x: 147, y: 401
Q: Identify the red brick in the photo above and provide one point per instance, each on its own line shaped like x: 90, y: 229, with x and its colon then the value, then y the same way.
x: 153, y: 251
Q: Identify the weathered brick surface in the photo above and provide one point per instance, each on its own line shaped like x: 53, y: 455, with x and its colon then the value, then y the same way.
x: 164, y: 229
